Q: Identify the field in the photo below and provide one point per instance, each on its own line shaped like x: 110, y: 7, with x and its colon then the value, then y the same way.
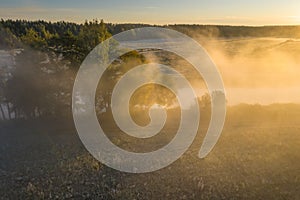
x: 257, y: 157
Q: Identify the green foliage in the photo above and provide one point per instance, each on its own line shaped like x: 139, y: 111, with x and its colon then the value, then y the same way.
x: 91, y: 34
x: 75, y: 47
x: 32, y: 39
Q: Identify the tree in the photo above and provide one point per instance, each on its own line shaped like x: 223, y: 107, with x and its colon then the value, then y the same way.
x: 91, y: 34
x: 7, y: 39
x: 32, y: 39
x: 25, y: 89
x: 2, y: 95
x: 41, y: 85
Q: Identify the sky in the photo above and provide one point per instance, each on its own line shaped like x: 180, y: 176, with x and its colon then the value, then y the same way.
x: 232, y: 12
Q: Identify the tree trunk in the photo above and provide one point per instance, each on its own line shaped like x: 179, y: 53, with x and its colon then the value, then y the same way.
x: 8, y: 110
x: 16, y: 113
x: 2, y: 112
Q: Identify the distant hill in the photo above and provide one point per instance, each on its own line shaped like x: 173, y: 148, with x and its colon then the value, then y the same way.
x: 220, y: 31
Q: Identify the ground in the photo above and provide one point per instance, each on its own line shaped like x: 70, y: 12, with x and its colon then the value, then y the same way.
x: 254, y: 159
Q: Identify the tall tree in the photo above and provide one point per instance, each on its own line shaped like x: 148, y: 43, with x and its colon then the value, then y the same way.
x: 33, y: 39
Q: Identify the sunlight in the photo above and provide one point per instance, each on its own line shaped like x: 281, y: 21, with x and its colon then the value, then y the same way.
x: 295, y: 19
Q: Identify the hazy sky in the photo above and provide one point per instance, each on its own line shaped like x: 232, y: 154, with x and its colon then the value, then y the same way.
x: 247, y: 12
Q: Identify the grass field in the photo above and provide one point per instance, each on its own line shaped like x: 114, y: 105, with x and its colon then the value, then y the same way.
x: 257, y: 157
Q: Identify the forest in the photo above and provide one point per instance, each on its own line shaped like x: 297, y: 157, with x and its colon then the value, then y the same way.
x: 46, y: 56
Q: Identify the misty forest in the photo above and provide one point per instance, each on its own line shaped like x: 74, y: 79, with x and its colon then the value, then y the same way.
x: 42, y: 157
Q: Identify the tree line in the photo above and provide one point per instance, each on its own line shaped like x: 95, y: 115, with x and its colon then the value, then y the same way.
x: 42, y: 75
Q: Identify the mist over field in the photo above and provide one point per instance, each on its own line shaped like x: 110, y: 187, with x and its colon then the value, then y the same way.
x: 258, y: 70
x: 254, y: 70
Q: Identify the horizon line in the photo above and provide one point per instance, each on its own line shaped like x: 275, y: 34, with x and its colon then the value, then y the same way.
x: 151, y: 24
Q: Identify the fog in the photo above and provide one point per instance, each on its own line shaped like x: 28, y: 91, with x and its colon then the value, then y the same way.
x: 262, y: 70
x: 254, y: 70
